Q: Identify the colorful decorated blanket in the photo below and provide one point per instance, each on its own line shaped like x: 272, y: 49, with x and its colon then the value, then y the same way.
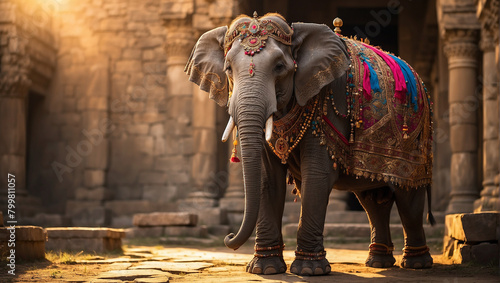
x: 390, y: 115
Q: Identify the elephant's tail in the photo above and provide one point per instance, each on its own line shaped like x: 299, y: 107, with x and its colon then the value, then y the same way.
x: 430, y: 217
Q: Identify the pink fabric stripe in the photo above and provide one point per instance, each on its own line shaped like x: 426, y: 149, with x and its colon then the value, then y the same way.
x: 367, y: 88
x: 341, y: 136
x: 399, y: 80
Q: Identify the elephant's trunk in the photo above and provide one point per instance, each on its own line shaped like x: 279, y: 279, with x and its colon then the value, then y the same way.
x: 250, y: 120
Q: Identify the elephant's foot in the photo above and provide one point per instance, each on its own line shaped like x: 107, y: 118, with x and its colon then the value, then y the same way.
x: 308, y: 264
x: 416, y: 257
x: 380, y: 256
x: 267, y: 260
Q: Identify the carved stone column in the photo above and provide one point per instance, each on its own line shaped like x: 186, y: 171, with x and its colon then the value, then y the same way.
x: 14, y: 87
x: 488, y: 15
x: 462, y: 51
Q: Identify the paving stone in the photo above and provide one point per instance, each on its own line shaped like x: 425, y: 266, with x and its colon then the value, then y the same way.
x: 151, y: 280
x: 165, y: 219
x: 111, y: 260
x: 174, y: 267
x: 120, y: 265
x: 472, y: 227
x: 131, y: 274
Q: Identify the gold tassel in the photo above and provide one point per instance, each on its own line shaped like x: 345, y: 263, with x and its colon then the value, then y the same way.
x: 234, y: 157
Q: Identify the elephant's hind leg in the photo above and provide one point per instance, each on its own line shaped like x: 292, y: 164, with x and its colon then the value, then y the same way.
x: 377, y: 204
x: 411, y: 207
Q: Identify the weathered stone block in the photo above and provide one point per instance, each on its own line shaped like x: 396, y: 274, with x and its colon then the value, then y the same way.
x: 153, y: 178
x: 138, y: 129
x: 93, y: 178
x: 29, y: 241
x: 75, y: 207
x: 50, y: 220
x: 112, y: 24
x: 472, y: 227
x: 92, y: 216
x: 131, y: 54
x: 213, y: 216
x: 128, y: 207
x: 461, y: 253
x: 128, y: 66
x: 84, y: 239
x: 150, y: 42
x: 485, y: 253
x: 232, y: 204
x: 165, y: 219
x: 181, y: 231
x: 99, y: 193
x: 83, y: 232
x: 145, y: 144
x: 159, y: 193
x: 144, y: 232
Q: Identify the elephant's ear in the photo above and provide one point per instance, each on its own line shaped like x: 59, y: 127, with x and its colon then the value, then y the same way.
x: 321, y: 57
x: 206, y: 65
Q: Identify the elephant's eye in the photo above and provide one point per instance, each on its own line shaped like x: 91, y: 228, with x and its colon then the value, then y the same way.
x: 279, y: 67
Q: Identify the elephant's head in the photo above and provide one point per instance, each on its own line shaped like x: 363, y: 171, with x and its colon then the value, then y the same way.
x: 259, y: 67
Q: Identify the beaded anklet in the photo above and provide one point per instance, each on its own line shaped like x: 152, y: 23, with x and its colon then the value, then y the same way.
x: 278, y: 248
x: 409, y: 251
x: 300, y: 255
x: 380, y: 249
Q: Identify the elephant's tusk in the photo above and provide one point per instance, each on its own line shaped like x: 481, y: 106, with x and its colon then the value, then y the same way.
x: 228, y: 130
x: 269, y: 128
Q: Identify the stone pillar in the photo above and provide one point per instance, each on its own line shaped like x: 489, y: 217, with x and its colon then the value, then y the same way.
x: 487, y: 13
x: 461, y: 50
x: 489, y: 194
x: 180, y: 100
x: 14, y: 87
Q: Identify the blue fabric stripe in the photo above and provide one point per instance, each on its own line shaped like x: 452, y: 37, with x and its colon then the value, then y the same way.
x: 374, y: 82
x: 411, y: 83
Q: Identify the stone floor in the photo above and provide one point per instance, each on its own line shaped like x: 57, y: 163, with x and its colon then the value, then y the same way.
x: 149, y: 262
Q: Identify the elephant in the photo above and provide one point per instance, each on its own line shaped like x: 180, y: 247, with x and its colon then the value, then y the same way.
x: 322, y: 111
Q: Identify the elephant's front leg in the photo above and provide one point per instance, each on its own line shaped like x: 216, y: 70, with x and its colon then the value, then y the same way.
x: 317, y: 178
x: 268, y: 257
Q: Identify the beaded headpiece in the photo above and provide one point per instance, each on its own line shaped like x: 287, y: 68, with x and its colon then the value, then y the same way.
x: 253, y: 35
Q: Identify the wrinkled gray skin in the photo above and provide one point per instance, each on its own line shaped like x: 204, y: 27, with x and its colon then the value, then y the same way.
x: 270, y: 91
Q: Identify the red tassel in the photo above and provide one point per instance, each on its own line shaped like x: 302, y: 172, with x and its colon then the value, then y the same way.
x: 234, y: 158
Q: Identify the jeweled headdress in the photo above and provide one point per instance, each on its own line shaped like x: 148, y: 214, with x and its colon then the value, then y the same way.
x: 253, y: 35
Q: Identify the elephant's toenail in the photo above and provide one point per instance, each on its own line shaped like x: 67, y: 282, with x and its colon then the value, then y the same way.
x: 417, y: 265
x: 257, y: 270
x: 377, y: 264
x: 307, y: 271
x: 270, y: 270
x: 328, y: 269
x: 294, y: 270
x: 318, y: 271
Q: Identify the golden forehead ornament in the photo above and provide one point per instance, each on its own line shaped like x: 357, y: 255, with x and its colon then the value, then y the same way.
x: 253, y: 35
